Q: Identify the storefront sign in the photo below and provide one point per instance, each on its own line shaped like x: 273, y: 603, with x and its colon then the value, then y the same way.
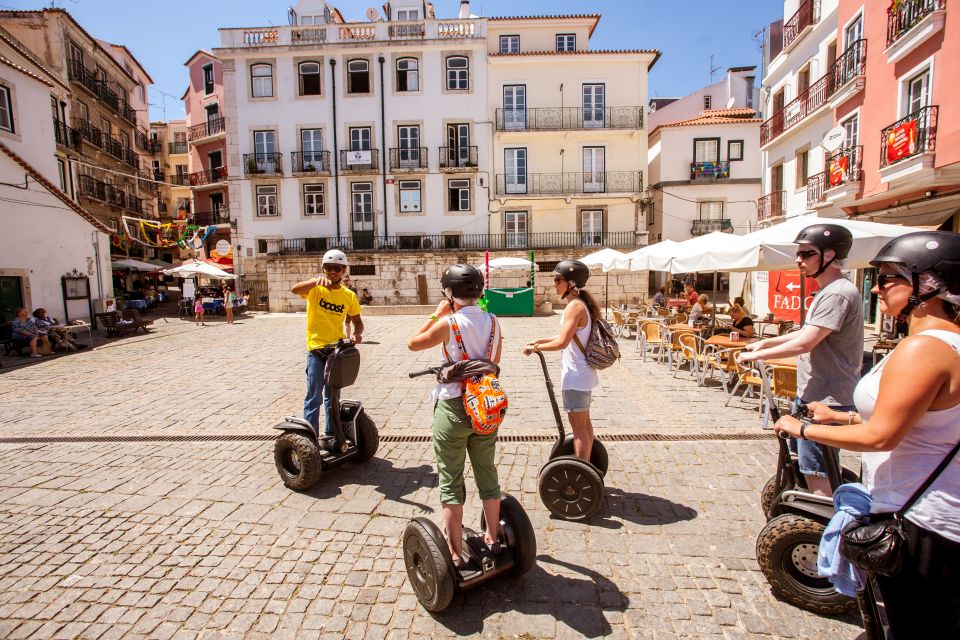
x: 838, y: 170
x: 783, y: 294
x: 358, y: 157
x: 222, y: 254
x: 902, y: 141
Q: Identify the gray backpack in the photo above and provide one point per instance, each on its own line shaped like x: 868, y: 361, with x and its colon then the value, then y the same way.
x: 601, y: 350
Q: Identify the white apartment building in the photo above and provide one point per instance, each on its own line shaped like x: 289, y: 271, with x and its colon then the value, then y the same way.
x: 738, y: 88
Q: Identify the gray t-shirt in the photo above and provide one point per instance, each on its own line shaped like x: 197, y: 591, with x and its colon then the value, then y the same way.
x: 830, y: 372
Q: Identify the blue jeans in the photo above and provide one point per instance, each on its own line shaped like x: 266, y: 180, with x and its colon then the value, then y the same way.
x: 316, y: 389
x: 810, y: 454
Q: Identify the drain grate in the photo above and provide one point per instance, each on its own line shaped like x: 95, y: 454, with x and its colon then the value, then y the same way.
x: 230, y: 437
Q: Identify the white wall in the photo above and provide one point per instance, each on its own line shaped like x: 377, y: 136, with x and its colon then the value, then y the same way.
x: 733, y: 84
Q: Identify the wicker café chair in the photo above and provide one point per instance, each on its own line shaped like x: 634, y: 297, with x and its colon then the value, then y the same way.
x: 720, y: 361
x: 651, y: 338
x: 783, y: 386
x: 749, y: 378
x: 693, y: 352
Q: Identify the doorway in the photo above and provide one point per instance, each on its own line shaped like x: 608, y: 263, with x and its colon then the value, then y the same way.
x: 11, y: 297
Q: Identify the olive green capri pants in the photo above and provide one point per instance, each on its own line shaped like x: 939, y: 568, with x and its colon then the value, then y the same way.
x: 453, y: 439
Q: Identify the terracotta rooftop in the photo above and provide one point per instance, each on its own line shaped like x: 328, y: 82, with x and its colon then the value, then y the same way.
x: 20, y: 48
x: 584, y: 52
x: 739, y: 115
x: 25, y: 71
x: 572, y: 16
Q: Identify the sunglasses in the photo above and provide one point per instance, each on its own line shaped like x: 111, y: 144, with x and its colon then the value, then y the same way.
x: 886, y: 278
x: 558, y: 280
x: 336, y: 268
x: 809, y: 253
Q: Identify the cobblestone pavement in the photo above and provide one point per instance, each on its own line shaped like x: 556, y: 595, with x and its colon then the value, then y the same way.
x: 178, y: 539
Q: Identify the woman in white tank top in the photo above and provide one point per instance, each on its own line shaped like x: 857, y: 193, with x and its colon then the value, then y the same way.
x: 577, y: 377
x: 908, y: 422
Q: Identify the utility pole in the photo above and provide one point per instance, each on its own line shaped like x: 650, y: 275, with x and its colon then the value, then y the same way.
x: 713, y: 69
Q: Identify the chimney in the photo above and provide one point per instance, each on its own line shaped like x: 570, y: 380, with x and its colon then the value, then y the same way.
x: 464, y: 9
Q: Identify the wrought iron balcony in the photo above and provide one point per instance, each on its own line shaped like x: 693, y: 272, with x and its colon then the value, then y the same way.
x: 458, y: 158
x: 817, y: 189
x: 113, y: 146
x: 406, y: 159
x: 134, y: 203
x: 772, y: 205
x: 560, y: 184
x: 65, y: 136
x: 844, y: 166
x: 201, y: 178
x: 91, y: 187
x: 909, y: 136
x: 807, y: 15
x: 310, y: 161
x: 717, y: 170
x: 850, y: 65
x: 361, y: 161
x: 88, y: 132
x: 141, y: 139
x: 174, y: 148
x: 212, y: 127
x: 131, y: 158
x: 794, y: 112
x: 703, y: 227
x: 569, y: 118
x: 263, y: 163
x: 86, y: 78
x: 460, y: 242
x: 907, y: 15
x: 207, y: 218
x: 116, y: 196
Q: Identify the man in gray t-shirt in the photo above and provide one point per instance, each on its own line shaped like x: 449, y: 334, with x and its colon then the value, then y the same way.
x: 830, y: 343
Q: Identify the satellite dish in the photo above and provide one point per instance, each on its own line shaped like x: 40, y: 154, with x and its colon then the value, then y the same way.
x: 372, y: 14
x: 730, y: 102
x: 834, y: 139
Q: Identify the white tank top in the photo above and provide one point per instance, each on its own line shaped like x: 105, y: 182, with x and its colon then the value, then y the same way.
x: 575, y: 372
x: 891, y: 477
x: 474, y: 325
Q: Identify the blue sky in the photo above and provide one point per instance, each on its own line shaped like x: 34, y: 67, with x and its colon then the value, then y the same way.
x: 163, y: 35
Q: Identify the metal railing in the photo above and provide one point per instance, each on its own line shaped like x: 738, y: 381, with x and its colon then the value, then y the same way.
x: 77, y: 72
x: 710, y: 170
x: 772, y: 205
x: 181, y: 179
x: 817, y: 188
x: 88, y: 132
x: 911, y: 135
x: 569, y: 118
x: 141, y: 139
x: 174, y: 148
x: 850, y: 64
x: 806, y: 15
x: 407, y: 159
x: 134, y: 203
x: 113, y: 146
x: 211, y: 127
x: 131, y: 158
x: 91, y: 187
x: 268, y: 163
x: 64, y: 135
x: 367, y: 160
x: 844, y: 166
x: 795, y: 111
x: 365, y: 241
x: 703, y: 227
x: 458, y: 158
x: 116, y: 197
x: 310, y: 161
x: 217, y: 216
x: 538, y: 184
x: 200, y: 178
x: 909, y: 13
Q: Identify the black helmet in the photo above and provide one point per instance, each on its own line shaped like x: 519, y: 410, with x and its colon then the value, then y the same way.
x: 827, y: 236
x: 934, y: 251
x: 463, y: 280
x: 573, y: 271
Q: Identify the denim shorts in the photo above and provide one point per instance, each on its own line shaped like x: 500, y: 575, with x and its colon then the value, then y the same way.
x: 575, y: 401
x: 810, y: 454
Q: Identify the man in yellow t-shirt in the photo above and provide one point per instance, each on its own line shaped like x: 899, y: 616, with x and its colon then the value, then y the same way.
x: 328, y: 303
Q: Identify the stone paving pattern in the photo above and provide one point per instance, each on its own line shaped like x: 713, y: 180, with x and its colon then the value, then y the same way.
x: 200, y: 539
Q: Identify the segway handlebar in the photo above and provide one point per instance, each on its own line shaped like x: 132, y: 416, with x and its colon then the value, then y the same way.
x: 417, y: 374
x: 553, y: 398
x: 801, y: 413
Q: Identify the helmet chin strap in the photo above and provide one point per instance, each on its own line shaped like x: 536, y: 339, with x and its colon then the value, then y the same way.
x: 916, y: 300
x: 824, y: 265
x: 571, y: 290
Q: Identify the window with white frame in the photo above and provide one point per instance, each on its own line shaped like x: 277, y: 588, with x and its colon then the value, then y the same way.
x: 267, y: 201
x: 515, y: 225
x: 408, y: 14
x: 362, y: 196
x: 918, y: 92
x: 852, y: 128
x: 458, y: 195
x: 6, y: 109
x: 309, y: 73
x: 458, y: 73
x: 566, y: 42
x: 407, y: 78
x: 509, y: 44
x: 410, y: 195
x: 261, y: 77
x: 358, y: 76
x: 711, y: 210
x: 313, y: 200
x: 515, y: 164
x: 591, y: 226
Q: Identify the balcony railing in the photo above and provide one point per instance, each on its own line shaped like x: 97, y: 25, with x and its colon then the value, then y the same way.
x: 772, y: 205
x: 131, y: 158
x: 850, y: 64
x: 212, y: 127
x: 91, y: 187
x: 556, y: 184
x: 181, y: 179
x: 465, y: 242
x: 174, y: 148
x: 844, y: 166
x: 458, y: 158
x: 909, y: 136
x: 134, y: 203
x: 408, y: 159
x: 817, y: 188
x: 113, y: 146
x: 141, y: 139
x: 795, y: 111
x: 161, y: 206
x: 200, y: 178
x: 569, y: 118
x: 907, y: 16
x: 805, y: 16
x: 263, y: 163
x: 88, y: 132
x: 352, y: 32
x: 703, y: 227
x: 65, y: 136
x: 116, y: 197
x: 710, y: 170
x: 310, y: 161
x: 367, y: 160
x: 206, y: 218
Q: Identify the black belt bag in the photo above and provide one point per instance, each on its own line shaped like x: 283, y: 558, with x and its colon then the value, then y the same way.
x: 877, y: 546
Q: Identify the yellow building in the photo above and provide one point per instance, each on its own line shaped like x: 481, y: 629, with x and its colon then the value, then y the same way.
x: 569, y: 144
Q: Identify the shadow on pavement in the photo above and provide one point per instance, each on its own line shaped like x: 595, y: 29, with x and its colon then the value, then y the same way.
x: 576, y: 598
x: 392, y: 482
x: 639, y: 508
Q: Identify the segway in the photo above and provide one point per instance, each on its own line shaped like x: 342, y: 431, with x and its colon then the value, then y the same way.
x: 302, y: 454
x: 788, y: 544
x: 570, y: 488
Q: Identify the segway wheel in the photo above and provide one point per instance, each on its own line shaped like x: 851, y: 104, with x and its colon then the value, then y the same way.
x: 519, y: 533
x: 768, y: 495
x: 368, y: 435
x: 427, y: 567
x: 298, y: 461
x: 570, y: 488
x: 787, y: 554
x: 598, y: 453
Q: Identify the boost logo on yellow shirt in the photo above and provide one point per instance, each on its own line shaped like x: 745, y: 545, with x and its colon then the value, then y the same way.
x: 326, y: 309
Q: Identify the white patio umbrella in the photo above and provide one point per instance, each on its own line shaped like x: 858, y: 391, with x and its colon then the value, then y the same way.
x: 130, y: 263
x: 608, y: 260
x: 654, y: 257
x: 508, y: 264
x: 198, y: 268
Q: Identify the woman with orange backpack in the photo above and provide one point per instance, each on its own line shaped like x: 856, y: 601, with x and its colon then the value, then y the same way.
x: 460, y: 327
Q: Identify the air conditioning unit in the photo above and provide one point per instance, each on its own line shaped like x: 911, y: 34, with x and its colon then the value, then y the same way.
x: 274, y: 247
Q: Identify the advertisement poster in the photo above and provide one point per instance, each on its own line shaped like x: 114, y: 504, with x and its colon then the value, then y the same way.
x: 783, y: 294
x: 838, y: 170
x: 902, y: 141
x: 222, y: 254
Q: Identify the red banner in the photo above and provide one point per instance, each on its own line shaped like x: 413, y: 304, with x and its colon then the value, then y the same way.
x: 838, y: 170
x: 902, y: 141
x: 783, y: 294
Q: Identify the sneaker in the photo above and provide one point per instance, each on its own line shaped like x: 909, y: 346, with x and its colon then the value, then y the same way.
x: 36, y: 355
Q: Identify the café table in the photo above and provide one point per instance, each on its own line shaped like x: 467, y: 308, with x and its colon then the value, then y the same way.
x: 782, y: 362
x: 685, y: 327
x: 84, y: 326
x: 140, y: 305
x: 212, y: 305
x: 723, y: 341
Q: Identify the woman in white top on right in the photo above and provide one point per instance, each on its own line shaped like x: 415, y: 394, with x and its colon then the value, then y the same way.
x: 577, y: 377
x: 908, y: 423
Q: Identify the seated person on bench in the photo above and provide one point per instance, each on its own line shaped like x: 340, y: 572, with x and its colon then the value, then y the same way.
x: 25, y: 332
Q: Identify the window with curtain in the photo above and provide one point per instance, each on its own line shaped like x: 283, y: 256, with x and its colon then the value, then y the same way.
x: 262, y: 80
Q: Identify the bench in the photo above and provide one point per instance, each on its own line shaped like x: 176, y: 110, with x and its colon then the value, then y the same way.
x: 113, y: 326
x: 138, y: 323
x: 7, y: 341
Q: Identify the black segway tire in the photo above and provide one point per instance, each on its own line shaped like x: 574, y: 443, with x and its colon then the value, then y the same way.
x: 524, y: 540
x: 787, y: 554
x: 768, y: 496
x: 598, y: 453
x: 570, y: 488
x: 298, y: 461
x: 428, y: 568
x: 368, y: 436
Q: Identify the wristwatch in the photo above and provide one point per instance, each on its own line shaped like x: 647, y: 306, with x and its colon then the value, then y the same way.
x: 803, y: 430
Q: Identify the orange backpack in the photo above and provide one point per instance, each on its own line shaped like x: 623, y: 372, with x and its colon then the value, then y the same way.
x: 484, y: 399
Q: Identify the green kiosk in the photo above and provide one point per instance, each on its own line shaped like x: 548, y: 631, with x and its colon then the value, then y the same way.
x: 508, y: 301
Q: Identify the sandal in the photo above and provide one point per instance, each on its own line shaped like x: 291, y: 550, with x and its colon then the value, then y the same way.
x: 495, y: 547
x: 459, y: 563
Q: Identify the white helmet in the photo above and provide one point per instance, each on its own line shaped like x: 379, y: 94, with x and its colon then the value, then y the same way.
x: 335, y: 256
